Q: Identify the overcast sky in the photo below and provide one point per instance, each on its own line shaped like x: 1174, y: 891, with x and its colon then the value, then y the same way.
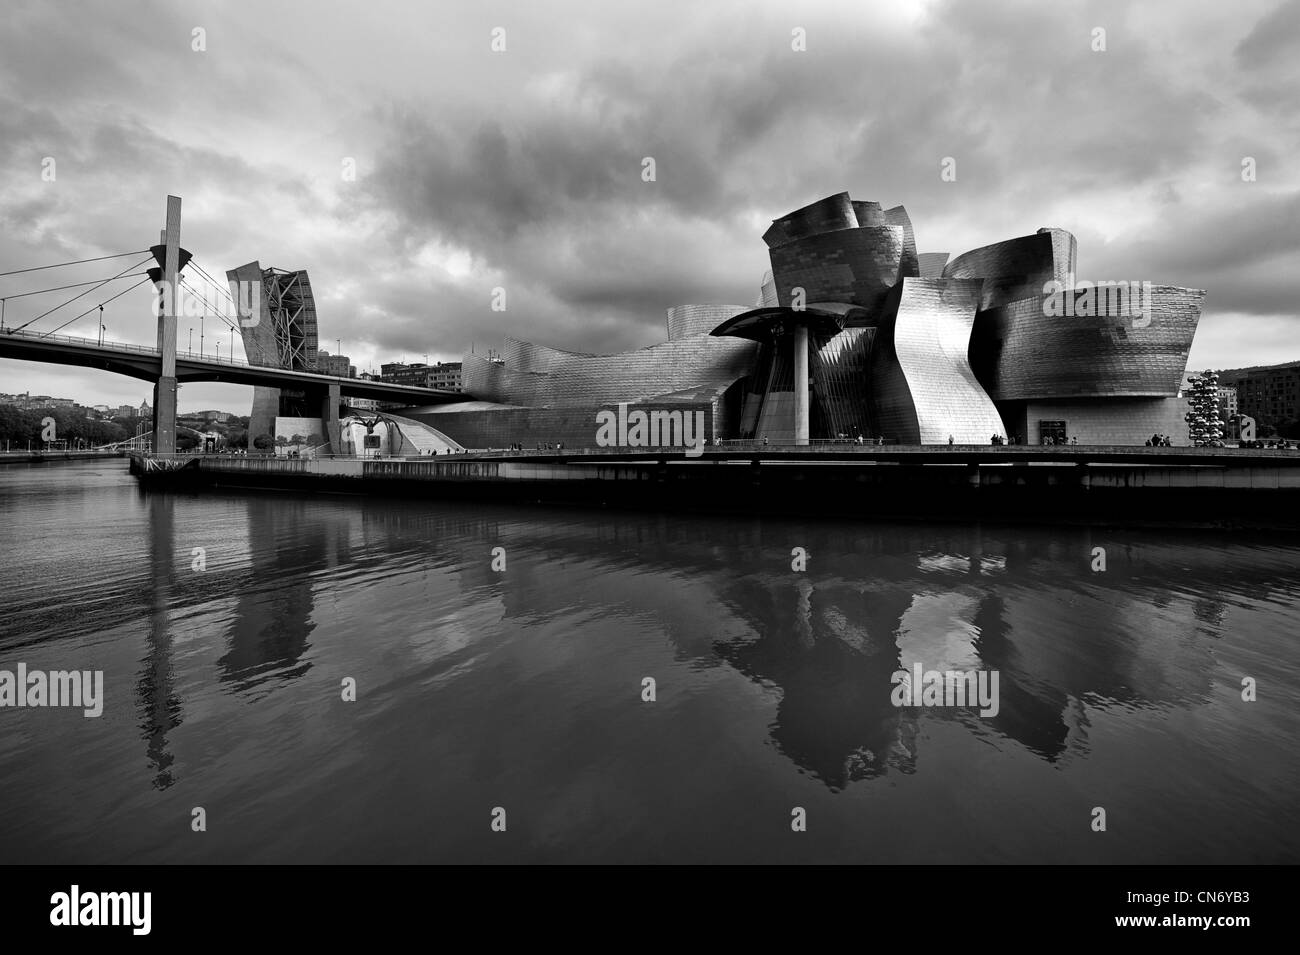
x: 523, y: 168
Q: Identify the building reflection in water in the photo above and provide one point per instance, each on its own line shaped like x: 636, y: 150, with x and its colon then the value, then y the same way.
x: 1021, y: 602
x: 159, y: 706
x: 289, y: 546
x: 826, y: 642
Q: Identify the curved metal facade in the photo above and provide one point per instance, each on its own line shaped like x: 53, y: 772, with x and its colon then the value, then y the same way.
x: 528, y: 356
x: 1018, y: 268
x: 910, y: 264
x: 858, y: 265
x: 1020, y: 352
x: 825, y: 215
x: 900, y: 344
x: 699, y: 362
x: 931, y: 264
x: 931, y: 393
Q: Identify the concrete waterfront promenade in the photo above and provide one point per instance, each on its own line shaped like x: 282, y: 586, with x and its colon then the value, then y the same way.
x: 1196, y: 486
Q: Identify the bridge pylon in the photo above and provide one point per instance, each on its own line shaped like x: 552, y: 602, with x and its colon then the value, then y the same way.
x: 169, y: 254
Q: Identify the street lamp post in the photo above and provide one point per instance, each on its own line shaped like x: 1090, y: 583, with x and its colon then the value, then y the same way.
x: 200, y: 336
x: 232, y: 343
x: 191, y: 345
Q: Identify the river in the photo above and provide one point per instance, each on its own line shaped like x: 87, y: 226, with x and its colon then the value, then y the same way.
x: 502, y: 659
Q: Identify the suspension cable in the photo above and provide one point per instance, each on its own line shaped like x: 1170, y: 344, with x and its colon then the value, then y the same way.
x: 215, y: 283
x: 101, y: 258
x: 261, y: 353
x: 119, y: 275
x: 203, y: 298
x: 60, y: 288
x: 100, y: 305
x: 237, y: 326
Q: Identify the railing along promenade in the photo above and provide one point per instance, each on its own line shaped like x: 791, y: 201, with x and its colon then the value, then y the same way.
x: 828, y: 453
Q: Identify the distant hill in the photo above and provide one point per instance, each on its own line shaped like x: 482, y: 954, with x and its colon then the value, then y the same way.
x: 1230, y: 376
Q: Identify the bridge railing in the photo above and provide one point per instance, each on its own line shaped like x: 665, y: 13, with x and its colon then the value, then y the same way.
x: 74, y: 340
x: 125, y: 346
x: 186, y: 353
x: 1080, y: 453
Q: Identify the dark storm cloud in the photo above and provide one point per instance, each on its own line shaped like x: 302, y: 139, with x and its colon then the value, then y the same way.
x: 1276, y: 35
x: 1014, y: 92
x: 523, y: 169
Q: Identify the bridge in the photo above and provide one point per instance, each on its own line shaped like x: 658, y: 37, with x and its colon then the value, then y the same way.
x: 166, y: 367
x: 145, y: 363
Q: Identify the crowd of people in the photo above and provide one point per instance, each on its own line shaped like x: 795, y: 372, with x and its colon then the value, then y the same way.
x: 1280, y: 444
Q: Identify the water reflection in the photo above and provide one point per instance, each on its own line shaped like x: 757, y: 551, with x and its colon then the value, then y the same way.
x: 288, y: 547
x: 826, y: 642
x: 159, y: 704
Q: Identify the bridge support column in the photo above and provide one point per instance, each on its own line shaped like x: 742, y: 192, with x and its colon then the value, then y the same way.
x: 164, y: 393
x: 266, y: 408
x: 329, y: 416
x: 164, y: 415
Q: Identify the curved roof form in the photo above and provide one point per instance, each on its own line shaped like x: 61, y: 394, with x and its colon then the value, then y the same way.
x: 870, y: 214
x: 420, y: 438
x: 1018, y: 268
x: 762, y: 324
x: 825, y: 215
x: 528, y: 356
x: 840, y: 249
x: 685, y: 321
x: 911, y: 260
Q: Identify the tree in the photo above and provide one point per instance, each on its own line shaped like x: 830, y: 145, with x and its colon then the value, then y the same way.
x: 18, y: 426
x: 264, y: 442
